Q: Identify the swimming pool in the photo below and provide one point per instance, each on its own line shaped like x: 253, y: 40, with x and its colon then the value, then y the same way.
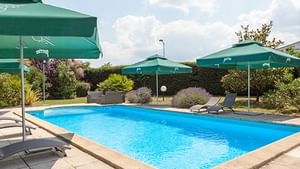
x: 164, y: 139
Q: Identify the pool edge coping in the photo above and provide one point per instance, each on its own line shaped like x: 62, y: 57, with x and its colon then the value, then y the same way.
x: 254, y: 159
x: 251, y: 160
x: 107, y: 155
x: 263, y: 155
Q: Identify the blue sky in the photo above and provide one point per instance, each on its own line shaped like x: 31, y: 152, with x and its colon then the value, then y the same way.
x: 130, y: 29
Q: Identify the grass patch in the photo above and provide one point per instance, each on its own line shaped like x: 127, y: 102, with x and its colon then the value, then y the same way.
x: 51, y: 102
x: 241, y: 104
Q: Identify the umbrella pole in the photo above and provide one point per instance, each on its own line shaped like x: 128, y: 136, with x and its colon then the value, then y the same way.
x: 22, y: 88
x: 44, y: 92
x: 248, y: 87
x: 156, y: 87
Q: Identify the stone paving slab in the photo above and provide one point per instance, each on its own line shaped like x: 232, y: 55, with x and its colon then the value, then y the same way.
x: 76, y: 159
x: 289, y: 160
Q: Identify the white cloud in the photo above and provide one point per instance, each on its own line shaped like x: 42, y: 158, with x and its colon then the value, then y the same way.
x: 137, y: 36
x: 285, y: 15
x: 185, y: 5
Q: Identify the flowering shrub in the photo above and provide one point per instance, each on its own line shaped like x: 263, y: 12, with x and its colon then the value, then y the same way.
x: 132, y: 97
x: 141, y: 95
x: 186, y: 98
x: 144, y: 95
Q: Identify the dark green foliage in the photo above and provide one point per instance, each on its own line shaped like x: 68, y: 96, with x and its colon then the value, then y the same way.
x: 66, y: 83
x: 96, y: 75
x: 261, y: 80
x: 201, y: 77
x: 35, y: 78
x: 10, y: 90
x: 284, y: 95
x: 82, y: 89
x: 296, y: 53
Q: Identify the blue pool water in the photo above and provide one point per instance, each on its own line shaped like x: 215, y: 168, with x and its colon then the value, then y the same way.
x: 166, y: 140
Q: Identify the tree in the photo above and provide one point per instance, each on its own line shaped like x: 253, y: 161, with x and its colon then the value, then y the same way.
x: 285, y: 96
x: 261, y: 79
x: 296, y: 53
x: 35, y: 78
x: 51, y: 71
x: 66, y: 83
x: 261, y: 35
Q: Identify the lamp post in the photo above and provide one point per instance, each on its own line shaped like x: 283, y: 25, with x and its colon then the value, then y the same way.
x: 44, y: 88
x: 164, y: 47
x: 163, y: 89
x: 46, y: 52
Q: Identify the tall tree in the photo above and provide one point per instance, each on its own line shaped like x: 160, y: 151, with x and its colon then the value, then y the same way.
x: 262, y: 79
x: 260, y: 34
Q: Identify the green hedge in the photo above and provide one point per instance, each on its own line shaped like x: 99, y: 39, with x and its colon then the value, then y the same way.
x: 201, y: 77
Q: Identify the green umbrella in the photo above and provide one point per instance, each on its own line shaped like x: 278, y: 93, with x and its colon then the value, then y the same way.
x: 32, y: 17
x: 248, y: 55
x: 156, y: 65
x: 44, y: 23
x: 49, y: 46
x: 11, y: 66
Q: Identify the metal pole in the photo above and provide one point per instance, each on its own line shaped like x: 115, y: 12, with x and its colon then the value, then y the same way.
x: 164, y: 49
x: 157, y: 87
x: 44, y: 92
x: 22, y: 88
x: 248, y: 87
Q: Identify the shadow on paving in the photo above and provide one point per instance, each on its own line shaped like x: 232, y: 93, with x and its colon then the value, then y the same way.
x: 40, y: 160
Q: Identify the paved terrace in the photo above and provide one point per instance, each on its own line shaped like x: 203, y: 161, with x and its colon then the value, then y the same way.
x: 77, y: 159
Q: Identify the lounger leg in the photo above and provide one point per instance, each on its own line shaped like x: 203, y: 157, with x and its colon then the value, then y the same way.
x: 28, y: 131
x: 62, y: 150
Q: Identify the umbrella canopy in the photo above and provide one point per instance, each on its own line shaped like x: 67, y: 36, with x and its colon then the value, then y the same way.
x: 27, y: 18
x: 156, y: 64
x: 11, y: 66
x: 248, y: 55
x: 33, y: 18
x: 57, y: 47
x: 248, y: 52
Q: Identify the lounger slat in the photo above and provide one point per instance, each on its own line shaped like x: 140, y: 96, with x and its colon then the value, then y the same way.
x: 10, y: 125
x: 11, y: 119
x: 28, y: 145
x: 211, y: 102
x: 229, y: 102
